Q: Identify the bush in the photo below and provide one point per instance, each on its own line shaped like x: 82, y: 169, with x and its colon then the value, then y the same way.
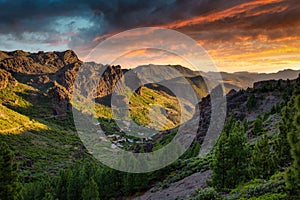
x: 251, y: 102
x: 259, y: 188
x: 270, y: 196
x: 207, y: 194
x: 258, y: 127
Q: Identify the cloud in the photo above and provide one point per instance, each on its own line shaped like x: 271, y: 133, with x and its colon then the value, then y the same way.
x: 52, y: 18
x: 223, y: 27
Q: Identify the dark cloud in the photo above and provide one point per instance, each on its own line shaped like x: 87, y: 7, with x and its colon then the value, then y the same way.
x: 77, y: 23
x: 273, y: 20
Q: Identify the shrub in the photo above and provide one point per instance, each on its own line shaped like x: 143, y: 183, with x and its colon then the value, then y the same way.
x: 207, y: 194
x: 251, y: 102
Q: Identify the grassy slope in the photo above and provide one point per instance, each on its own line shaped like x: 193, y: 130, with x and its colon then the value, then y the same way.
x: 164, y: 109
x: 42, y: 144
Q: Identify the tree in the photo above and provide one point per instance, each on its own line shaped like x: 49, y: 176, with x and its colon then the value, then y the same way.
x: 90, y: 191
x: 293, y: 173
x: 230, y: 157
x: 257, y: 127
x: 76, y: 181
x: 263, y: 163
x: 9, y: 186
x: 62, y: 184
x: 245, y: 125
x: 282, y: 147
x: 192, y: 151
x: 251, y: 102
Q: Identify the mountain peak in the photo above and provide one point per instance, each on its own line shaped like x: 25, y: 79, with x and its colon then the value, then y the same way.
x: 36, y: 63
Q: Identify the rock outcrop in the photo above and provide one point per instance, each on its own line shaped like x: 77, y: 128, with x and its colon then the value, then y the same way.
x: 60, y: 99
x: 268, y: 94
x: 96, y: 80
x: 182, y: 189
x: 36, y: 63
x: 57, y: 71
x: 6, y: 78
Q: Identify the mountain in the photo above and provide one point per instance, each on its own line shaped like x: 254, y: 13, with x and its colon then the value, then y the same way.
x: 37, y: 124
x: 247, y: 79
x: 53, y: 75
x: 259, y: 112
x: 36, y: 63
x: 236, y: 81
x: 156, y: 73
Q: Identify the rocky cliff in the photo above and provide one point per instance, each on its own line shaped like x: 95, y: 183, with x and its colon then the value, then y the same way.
x: 36, y: 63
x: 267, y: 95
x: 6, y: 78
x: 54, y: 73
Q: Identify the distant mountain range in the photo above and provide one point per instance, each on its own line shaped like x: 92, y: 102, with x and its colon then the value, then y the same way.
x: 247, y: 79
x: 198, y: 79
x: 21, y: 62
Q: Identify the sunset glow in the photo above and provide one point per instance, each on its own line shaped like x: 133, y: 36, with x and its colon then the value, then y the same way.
x: 257, y: 35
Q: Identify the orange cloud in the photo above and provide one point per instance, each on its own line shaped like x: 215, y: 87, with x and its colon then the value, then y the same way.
x: 246, y: 8
x: 236, y: 38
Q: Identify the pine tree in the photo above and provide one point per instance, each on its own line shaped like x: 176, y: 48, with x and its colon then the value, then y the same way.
x: 263, y: 163
x: 62, y: 184
x: 48, y: 196
x: 230, y: 158
x: 76, y: 181
x: 251, y: 102
x: 90, y: 191
x: 257, y: 127
x: 9, y: 186
x: 245, y: 125
x: 282, y: 146
x: 293, y: 173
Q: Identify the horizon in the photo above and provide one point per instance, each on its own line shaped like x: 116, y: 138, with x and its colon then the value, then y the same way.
x: 230, y: 72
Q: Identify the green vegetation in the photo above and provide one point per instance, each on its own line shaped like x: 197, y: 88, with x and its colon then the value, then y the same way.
x: 293, y: 173
x: 261, y: 188
x: 260, y: 166
x: 251, y: 102
x: 257, y: 127
x: 41, y: 156
x: 207, y: 194
x: 162, y: 108
x: 9, y: 185
x: 230, y: 158
x: 273, y: 167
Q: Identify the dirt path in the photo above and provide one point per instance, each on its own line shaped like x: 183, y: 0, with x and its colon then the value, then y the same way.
x: 179, y: 190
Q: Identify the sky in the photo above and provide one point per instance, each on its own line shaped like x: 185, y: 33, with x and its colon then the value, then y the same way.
x: 239, y: 35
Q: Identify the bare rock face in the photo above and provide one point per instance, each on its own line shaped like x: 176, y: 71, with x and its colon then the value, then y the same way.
x: 133, y: 82
x: 182, y: 189
x: 42, y: 68
x: 108, y: 81
x: 60, y: 99
x: 67, y: 75
x: 99, y: 79
x: 36, y: 63
x: 6, y: 78
x: 267, y: 94
x: 58, y: 70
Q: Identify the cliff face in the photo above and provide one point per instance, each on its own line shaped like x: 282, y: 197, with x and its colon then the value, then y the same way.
x: 56, y: 71
x: 36, y: 63
x: 6, y: 78
x: 107, y: 76
x: 267, y: 95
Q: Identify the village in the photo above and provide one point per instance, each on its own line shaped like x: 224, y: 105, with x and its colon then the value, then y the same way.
x: 123, y: 137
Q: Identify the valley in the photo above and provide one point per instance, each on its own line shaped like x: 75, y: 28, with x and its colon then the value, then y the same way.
x: 36, y: 123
